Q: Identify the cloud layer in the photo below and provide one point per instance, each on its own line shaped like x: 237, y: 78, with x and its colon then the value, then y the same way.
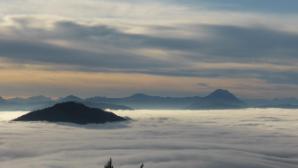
x: 218, y: 41
x: 237, y: 138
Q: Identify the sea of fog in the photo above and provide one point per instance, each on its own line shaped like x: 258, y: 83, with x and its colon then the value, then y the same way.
x: 250, y: 138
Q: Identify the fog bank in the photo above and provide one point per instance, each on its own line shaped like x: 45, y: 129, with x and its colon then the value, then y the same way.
x: 251, y: 138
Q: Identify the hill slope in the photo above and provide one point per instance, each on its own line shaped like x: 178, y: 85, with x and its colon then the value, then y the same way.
x: 71, y: 112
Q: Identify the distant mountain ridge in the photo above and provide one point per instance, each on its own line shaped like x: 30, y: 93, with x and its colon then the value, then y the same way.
x: 143, y: 101
x: 219, y: 98
x: 39, y: 102
x: 70, y: 98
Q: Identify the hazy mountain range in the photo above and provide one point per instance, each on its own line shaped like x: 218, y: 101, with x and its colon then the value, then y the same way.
x: 219, y: 99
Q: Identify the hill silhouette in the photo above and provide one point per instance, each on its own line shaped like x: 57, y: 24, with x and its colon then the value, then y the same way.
x: 71, y: 112
x: 218, y: 99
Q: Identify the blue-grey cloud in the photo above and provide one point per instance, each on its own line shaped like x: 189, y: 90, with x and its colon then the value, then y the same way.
x: 222, y: 42
x: 44, y: 53
x: 105, y: 34
x: 247, y: 44
x: 263, y: 6
x: 116, y: 50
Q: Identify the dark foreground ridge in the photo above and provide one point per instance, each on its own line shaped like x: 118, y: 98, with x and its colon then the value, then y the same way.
x: 71, y: 112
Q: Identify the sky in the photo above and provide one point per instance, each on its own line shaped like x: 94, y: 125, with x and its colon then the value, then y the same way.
x: 159, y: 47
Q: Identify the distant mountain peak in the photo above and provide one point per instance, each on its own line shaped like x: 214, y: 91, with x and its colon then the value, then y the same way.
x: 69, y: 98
x: 139, y: 95
x: 222, y: 94
x: 72, y: 96
x: 220, y: 98
x: 40, y: 97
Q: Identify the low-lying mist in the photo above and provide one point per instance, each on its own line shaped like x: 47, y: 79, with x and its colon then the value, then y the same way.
x: 250, y: 138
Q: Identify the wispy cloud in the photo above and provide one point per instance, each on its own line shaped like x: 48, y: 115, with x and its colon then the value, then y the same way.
x: 154, y: 37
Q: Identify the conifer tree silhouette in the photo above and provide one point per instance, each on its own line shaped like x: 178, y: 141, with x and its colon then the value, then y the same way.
x: 109, y: 164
